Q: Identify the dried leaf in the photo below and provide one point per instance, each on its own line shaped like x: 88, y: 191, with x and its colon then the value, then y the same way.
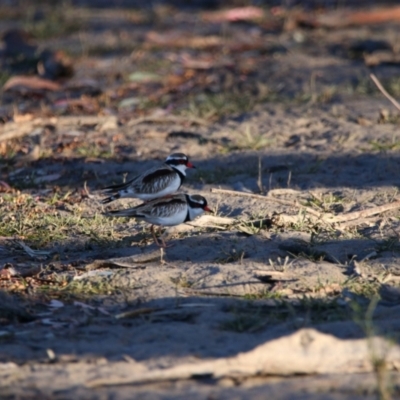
x: 205, y: 64
x: 236, y: 14
x: 27, y: 84
x: 177, y: 39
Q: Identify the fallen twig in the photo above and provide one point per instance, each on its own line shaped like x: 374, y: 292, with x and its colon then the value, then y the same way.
x: 369, y: 212
x: 314, y: 215
x: 384, y: 92
x: 358, y: 222
x: 267, y: 198
x: 284, y: 191
x: 340, y: 18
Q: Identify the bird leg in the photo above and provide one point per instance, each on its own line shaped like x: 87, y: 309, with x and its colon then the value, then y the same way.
x: 154, y: 236
x: 162, y: 244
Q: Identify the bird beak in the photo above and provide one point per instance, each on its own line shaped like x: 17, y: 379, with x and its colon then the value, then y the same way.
x: 206, y: 208
x: 190, y: 165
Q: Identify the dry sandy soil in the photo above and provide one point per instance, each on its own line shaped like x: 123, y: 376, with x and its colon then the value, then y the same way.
x: 278, y: 297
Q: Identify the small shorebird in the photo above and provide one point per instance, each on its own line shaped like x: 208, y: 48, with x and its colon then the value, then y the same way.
x: 160, y: 181
x: 166, y: 211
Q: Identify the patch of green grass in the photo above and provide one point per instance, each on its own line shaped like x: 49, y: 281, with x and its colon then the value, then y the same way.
x: 57, y: 197
x: 326, y: 202
x: 90, y: 288
x: 43, y: 225
x: 91, y: 150
x: 66, y: 289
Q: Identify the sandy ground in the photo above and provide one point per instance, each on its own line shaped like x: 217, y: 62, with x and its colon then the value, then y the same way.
x: 219, y: 290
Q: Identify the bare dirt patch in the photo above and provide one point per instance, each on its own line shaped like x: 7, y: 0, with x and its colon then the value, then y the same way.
x: 308, y: 266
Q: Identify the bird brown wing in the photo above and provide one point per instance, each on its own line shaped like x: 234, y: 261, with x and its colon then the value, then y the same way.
x: 155, y: 181
x: 168, y: 206
x: 163, y: 207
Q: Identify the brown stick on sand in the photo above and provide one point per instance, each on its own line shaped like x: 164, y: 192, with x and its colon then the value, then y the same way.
x: 163, y: 245
x: 369, y: 212
x: 267, y: 198
x: 317, y: 216
x: 384, y: 92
